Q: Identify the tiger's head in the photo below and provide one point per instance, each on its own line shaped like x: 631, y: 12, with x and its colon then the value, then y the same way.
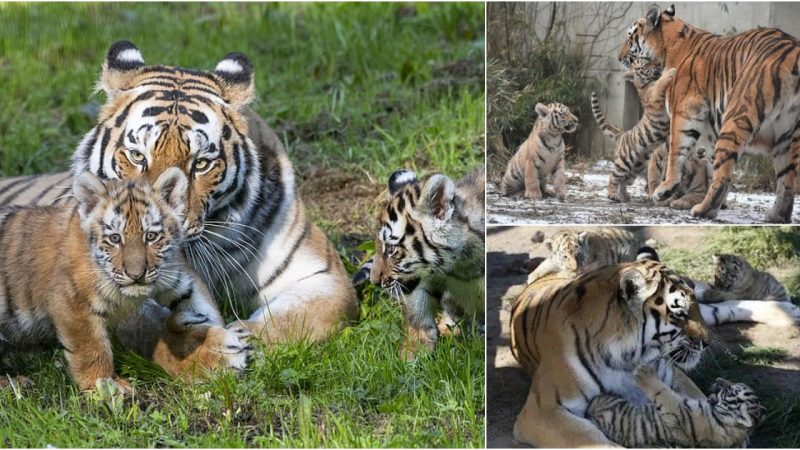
x: 157, y: 117
x: 646, y: 38
x: 133, y: 229
x: 416, y: 231
x: 730, y: 271
x: 557, y: 118
x: 567, y: 250
x: 672, y: 327
x: 736, y: 403
x: 642, y: 72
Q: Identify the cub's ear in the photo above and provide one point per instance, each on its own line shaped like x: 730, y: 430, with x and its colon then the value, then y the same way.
x: 122, y: 63
x: 717, y: 259
x: 235, y: 73
x: 438, y: 196
x: 399, y: 179
x: 172, y: 185
x: 653, y: 17
x: 634, y: 287
x: 542, y: 110
x: 670, y: 11
x: 88, y: 191
x: 548, y: 245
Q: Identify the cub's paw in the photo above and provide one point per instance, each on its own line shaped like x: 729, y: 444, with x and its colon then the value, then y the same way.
x: 702, y: 211
x: 665, y: 190
x: 644, y: 373
x: 108, y: 388
x: 235, y: 346
x: 680, y: 204
x: 190, y: 319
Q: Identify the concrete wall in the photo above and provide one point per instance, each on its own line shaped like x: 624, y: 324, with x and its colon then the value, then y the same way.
x: 619, y: 101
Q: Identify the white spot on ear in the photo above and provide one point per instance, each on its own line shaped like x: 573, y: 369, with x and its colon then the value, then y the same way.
x: 229, y: 66
x: 405, y: 177
x: 130, y: 55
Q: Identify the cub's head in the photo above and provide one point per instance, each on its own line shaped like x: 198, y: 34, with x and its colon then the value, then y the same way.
x: 730, y: 271
x: 566, y: 250
x: 157, y: 117
x: 133, y: 229
x: 646, y: 38
x: 557, y: 117
x: 642, y: 72
x: 415, y: 232
x: 736, y: 403
x: 672, y: 326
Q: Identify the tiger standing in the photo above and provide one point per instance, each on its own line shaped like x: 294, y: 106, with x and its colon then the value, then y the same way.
x: 671, y: 419
x: 635, y: 146
x: 541, y: 156
x: 248, y: 235
x: 429, y: 251
x: 118, y: 246
x: 737, y: 92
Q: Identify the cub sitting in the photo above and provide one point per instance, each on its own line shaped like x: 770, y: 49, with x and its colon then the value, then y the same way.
x: 117, y: 248
x: 541, y: 156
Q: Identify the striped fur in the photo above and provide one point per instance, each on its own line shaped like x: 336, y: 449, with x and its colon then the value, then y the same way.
x: 635, y: 146
x: 574, y: 253
x: 695, y: 177
x: 739, y: 93
x: 118, y: 246
x: 247, y: 231
x: 429, y: 251
x: 580, y: 337
x: 736, y: 279
x: 541, y: 156
x: 725, y: 419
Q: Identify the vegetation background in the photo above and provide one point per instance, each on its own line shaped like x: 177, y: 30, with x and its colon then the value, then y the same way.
x: 355, y: 91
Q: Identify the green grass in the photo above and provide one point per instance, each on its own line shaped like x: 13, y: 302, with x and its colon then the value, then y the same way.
x: 355, y: 88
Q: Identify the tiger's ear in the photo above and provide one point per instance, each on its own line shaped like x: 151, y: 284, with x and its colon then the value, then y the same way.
x: 88, y: 191
x: 399, y: 179
x: 670, y: 11
x: 634, y: 287
x: 236, y: 79
x: 171, y: 186
x: 548, y: 245
x: 653, y: 17
x: 542, y: 110
x: 716, y: 259
x: 122, y: 63
x: 438, y: 196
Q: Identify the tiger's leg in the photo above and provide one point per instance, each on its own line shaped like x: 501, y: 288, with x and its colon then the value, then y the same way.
x: 654, y: 170
x: 758, y: 311
x: 532, y: 183
x: 310, y: 298
x: 555, y: 427
x: 735, y: 134
x: 655, y: 389
x: 687, y: 201
x: 683, y: 385
x: 786, y: 163
x: 686, y: 123
x: 560, y: 181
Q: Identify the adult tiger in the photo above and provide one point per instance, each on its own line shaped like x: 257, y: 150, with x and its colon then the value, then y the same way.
x: 738, y: 92
x: 247, y: 231
x: 581, y: 337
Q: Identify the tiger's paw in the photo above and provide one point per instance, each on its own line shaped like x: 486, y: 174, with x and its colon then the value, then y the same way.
x: 700, y: 210
x: 644, y: 373
x: 185, y: 320
x: 777, y: 217
x: 680, y: 203
x: 665, y: 190
x: 533, y: 195
x: 108, y: 388
x: 235, y: 346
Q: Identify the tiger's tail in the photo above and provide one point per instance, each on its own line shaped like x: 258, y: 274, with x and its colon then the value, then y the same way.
x: 609, y: 130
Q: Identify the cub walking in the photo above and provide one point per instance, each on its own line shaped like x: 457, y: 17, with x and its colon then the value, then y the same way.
x: 541, y: 156
x: 69, y: 273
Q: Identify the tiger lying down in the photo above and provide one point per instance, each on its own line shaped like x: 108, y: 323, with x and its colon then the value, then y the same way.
x: 601, y: 344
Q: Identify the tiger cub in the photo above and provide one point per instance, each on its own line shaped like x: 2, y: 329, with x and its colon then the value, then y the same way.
x: 575, y: 253
x: 635, y: 145
x: 736, y: 279
x: 672, y: 419
x: 429, y: 251
x: 695, y: 177
x: 70, y: 273
x: 541, y: 156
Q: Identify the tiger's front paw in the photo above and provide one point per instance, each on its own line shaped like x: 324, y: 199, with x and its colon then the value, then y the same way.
x: 235, y: 346
x: 701, y: 210
x: 533, y: 195
x: 184, y: 320
x: 665, y: 190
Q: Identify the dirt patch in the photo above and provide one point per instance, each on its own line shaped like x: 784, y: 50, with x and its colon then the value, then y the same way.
x: 509, y: 250
x: 587, y: 203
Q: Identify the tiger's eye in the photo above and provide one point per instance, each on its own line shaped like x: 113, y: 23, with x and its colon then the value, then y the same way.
x: 137, y: 156
x: 115, y: 238
x: 202, y: 164
x: 151, y: 236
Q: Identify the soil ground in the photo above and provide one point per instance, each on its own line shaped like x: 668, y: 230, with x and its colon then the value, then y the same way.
x: 507, y: 384
x: 587, y: 203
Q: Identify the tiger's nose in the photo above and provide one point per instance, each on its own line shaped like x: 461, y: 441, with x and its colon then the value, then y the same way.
x: 136, y: 274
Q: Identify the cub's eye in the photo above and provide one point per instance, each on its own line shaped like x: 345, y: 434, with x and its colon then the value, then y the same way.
x: 136, y: 156
x: 151, y: 236
x: 202, y: 164
x: 115, y: 238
